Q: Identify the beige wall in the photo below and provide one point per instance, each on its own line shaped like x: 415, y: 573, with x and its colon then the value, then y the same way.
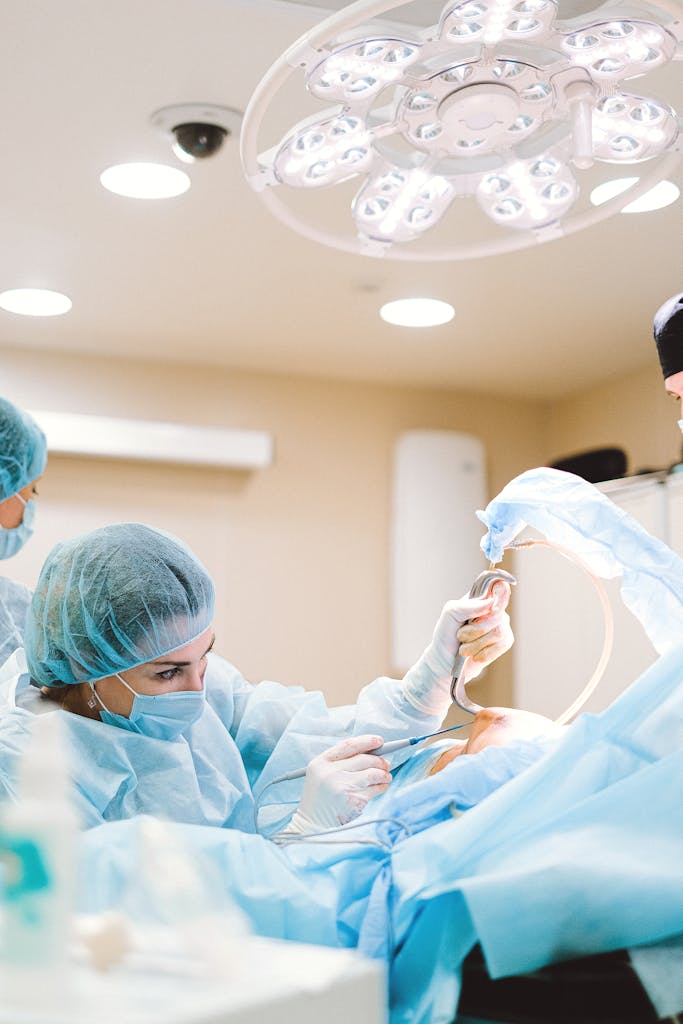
x: 632, y: 412
x: 300, y: 551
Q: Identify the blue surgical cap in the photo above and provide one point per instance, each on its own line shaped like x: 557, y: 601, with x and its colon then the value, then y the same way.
x: 23, y: 449
x: 112, y: 599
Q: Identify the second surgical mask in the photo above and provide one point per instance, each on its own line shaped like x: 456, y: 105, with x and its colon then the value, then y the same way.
x: 12, y: 539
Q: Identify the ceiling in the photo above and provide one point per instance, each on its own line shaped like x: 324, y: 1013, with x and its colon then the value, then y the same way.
x: 211, y: 277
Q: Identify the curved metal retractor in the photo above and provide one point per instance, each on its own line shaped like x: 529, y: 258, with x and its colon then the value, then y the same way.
x: 480, y: 588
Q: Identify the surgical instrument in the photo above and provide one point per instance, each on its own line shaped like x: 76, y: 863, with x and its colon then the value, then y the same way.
x: 480, y: 588
x: 386, y: 748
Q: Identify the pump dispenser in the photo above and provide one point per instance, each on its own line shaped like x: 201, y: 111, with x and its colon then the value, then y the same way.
x: 37, y: 864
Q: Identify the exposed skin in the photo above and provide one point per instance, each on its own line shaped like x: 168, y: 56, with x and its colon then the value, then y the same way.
x: 12, y: 509
x: 182, y: 669
x: 674, y: 386
x: 494, y: 727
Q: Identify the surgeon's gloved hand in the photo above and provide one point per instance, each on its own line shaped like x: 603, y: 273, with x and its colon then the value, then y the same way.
x: 339, y: 783
x: 478, y: 628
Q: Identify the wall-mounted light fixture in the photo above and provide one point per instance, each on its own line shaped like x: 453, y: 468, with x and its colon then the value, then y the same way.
x: 147, y: 441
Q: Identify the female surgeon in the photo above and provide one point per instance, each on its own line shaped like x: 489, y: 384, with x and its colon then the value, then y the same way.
x: 120, y: 635
x: 23, y: 456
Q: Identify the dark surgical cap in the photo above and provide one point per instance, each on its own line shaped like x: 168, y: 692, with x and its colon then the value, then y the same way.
x: 668, y: 332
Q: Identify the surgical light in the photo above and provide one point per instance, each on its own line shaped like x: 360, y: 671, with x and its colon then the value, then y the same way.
x: 34, y: 302
x: 499, y: 102
x: 145, y: 180
x: 417, y: 312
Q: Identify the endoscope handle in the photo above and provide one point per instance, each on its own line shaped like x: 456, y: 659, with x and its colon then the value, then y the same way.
x: 480, y: 588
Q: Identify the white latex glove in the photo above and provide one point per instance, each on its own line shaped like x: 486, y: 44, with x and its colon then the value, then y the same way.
x: 339, y: 783
x: 427, y: 685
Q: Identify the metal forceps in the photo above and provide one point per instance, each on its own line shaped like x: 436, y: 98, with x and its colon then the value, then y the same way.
x: 480, y: 588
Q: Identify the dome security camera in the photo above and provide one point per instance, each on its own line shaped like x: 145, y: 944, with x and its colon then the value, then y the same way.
x: 196, y: 130
x: 199, y: 140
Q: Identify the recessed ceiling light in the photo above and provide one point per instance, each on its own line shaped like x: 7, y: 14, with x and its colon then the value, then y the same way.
x: 663, y: 194
x: 35, y: 302
x: 417, y: 312
x: 145, y: 181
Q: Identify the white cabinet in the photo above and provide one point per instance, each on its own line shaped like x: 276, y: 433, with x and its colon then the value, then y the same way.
x: 557, y: 616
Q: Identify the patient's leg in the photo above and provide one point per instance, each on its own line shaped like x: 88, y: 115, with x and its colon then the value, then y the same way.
x: 494, y: 727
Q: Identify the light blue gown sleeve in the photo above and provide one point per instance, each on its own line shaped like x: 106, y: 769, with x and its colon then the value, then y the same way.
x: 15, y: 600
x: 280, y: 728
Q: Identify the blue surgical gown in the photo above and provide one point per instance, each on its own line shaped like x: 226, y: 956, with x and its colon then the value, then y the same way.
x: 15, y: 600
x: 247, y: 736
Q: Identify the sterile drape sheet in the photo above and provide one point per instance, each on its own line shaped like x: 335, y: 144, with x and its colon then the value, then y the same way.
x: 580, y: 852
x: 573, y: 513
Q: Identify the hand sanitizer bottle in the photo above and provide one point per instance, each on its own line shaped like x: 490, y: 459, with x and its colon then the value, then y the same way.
x: 37, y: 867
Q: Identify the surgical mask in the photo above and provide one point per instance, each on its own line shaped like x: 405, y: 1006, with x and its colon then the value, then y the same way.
x: 12, y: 539
x: 164, y: 716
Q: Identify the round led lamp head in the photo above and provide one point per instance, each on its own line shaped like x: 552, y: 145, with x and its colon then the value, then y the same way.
x: 479, y: 106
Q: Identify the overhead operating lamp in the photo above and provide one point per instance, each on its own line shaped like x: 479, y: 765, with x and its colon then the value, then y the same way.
x: 500, y: 103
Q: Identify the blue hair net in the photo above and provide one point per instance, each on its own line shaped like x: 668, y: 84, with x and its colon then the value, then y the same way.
x: 23, y: 449
x: 112, y: 599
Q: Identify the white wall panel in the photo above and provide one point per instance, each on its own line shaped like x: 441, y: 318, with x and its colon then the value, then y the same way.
x: 674, y: 511
x: 438, y: 485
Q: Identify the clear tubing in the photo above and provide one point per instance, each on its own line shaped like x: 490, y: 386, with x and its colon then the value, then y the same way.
x: 608, y: 640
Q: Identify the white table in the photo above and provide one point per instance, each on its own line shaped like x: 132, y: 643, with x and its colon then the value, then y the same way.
x: 274, y: 982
